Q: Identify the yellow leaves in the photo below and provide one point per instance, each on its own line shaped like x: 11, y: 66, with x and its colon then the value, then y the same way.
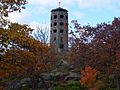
x: 22, y: 29
x: 23, y: 52
x: 8, y: 6
x: 41, y: 66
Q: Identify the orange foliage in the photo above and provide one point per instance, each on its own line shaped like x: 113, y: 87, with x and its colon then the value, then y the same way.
x: 21, y: 52
x: 89, y: 78
x: 3, y: 74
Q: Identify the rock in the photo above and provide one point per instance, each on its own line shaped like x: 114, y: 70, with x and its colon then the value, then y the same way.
x: 25, y: 81
x: 73, y: 76
x: 47, y: 77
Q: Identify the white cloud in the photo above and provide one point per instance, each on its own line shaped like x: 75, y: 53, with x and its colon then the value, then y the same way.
x: 35, y: 24
x: 36, y: 8
x: 54, y: 3
x: 42, y: 2
x: 78, y: 14
x: 18, y: 17
x: 97, y: 3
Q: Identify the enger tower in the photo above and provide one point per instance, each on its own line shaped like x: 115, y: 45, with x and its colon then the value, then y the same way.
x: 59, y: 29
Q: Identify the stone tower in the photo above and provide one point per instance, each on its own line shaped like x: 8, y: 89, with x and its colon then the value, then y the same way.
x: 59, y: 29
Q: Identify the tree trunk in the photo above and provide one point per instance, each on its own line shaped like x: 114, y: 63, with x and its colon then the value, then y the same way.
x: 35, y: 81
x: 43, y: 82
x: 118, y: 82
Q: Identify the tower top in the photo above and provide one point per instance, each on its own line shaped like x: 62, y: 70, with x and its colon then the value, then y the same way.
x: 59, y: 8
x: 59, y: 4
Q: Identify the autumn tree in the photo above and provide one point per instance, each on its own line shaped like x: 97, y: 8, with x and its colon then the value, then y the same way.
x: 21, y: 54
x: 104, y: 38
x: 89, y: 78
x: 79, y: 52
x: 98, y: 45
x: 9, y: 6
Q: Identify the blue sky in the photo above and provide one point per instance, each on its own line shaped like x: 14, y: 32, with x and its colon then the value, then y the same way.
x: 37, y: 12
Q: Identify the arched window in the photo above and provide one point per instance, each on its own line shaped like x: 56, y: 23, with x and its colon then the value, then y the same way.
x: 61, y: 30
x: 55, y: 16
x: 55, y: 23
x: 61, y: 23
x: 61, y: 39
x: 54, y: 38
x: 61, y: 16
x: 66, y: 31
x: 66, y: 17
x: 55, y: 30
x: 61, y: 46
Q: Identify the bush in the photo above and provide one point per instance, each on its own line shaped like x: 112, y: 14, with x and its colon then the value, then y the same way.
x: 75, y: 85
x: 59, y: 87
x: 71, y: 85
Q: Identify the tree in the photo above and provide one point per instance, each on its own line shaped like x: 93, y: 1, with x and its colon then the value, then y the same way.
x: 8, y: 6
x: 89, y: 78
x: 100, y: 46
x: 41, y: 34
x: 104, y: 38
x: 21, y: 54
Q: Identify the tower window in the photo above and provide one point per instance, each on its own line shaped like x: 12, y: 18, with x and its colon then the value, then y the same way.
x: 51, y: 17
x: 61, y: 46
x: 61, y: 30
x: 66, y: 17
x: 54, y: 30
x: 61, y: 23
x: 55, y: 23
x: 54, y: 38
x: 66, y: 31
x: 61, y: 16
x: 55, y: 16
x: 61, y: 39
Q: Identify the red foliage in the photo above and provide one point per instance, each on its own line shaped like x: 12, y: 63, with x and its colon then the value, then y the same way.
x: 89, y: 78
x: 97, y: 46
x: 89, y: 75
